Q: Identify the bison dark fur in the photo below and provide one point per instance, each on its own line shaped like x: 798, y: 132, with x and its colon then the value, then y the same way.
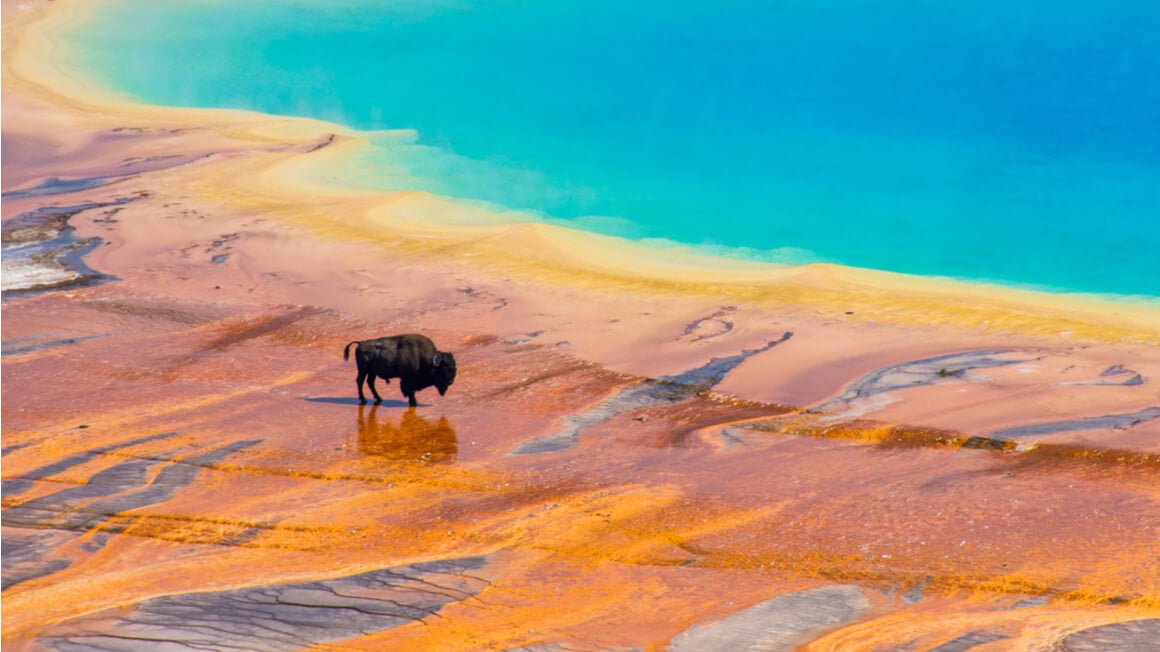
x: 413, y: 359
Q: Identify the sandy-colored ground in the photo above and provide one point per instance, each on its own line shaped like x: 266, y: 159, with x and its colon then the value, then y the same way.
x: 643, y: 449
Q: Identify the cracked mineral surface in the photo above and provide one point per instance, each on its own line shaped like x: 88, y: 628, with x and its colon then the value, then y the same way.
x: 643, y: 449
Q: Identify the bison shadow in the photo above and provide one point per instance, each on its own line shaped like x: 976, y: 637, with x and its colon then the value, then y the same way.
x: 340, y: 400
x: 411, y: 438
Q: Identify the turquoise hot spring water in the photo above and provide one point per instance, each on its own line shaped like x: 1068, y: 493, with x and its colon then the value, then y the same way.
x: 1010, y: 143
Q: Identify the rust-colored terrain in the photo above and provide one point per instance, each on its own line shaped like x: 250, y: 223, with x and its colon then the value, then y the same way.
x: 632, y: 457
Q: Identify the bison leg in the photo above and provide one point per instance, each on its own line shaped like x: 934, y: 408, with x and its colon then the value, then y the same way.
x: 371, y: 384
x: 362, y: 375
x: 409, y: 392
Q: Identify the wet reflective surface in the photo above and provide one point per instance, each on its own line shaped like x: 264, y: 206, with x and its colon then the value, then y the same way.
x: 626, y: 461
x: 281, y: 616
x: 410, y: 437
x: 244, y: 503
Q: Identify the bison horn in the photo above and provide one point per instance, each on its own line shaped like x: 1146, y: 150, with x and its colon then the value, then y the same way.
x: 437, y: 360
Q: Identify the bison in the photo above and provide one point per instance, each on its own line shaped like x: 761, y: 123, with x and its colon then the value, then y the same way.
x: 413, y: 359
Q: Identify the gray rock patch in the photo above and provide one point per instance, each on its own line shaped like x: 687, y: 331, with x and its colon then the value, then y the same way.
x: 968, y: 641
x: 1133, y: 636
x: 647, y: 393
x: 279, y: 617
x: 1107, y: 422
x: 781, y: 623
x: 873, y: 389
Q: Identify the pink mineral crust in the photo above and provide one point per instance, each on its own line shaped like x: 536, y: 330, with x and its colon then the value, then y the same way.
x: 642, y: 448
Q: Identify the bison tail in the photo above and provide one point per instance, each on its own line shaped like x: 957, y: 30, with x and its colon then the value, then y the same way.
x: 346, y: 351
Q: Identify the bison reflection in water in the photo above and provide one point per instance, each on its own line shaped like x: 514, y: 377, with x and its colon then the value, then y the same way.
x: 413, y: 359
x: 413, y: 439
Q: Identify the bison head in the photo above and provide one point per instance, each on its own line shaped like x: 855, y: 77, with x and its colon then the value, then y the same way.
x: 443, y: 371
